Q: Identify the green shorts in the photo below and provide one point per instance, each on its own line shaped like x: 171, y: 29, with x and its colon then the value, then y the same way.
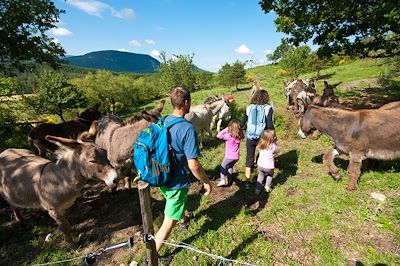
x: 175, y: 202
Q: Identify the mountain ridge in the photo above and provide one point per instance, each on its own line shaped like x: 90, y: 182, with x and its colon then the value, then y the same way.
x: 116, y: 61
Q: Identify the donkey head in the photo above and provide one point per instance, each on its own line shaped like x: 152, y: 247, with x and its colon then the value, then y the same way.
x: 305, y: 123
x: 91, y: 113
x: 84, y: 158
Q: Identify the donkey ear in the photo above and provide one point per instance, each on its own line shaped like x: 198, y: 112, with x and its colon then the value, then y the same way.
x: 337, y: 84
x: 150, y: 117
x: 63, y: 142
x: 87, y: 136
x: 93, y: 127
x: 160, y: 106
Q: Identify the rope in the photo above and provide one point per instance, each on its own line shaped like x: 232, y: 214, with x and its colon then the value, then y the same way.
x: 90, y: 258
x: 222, y: 260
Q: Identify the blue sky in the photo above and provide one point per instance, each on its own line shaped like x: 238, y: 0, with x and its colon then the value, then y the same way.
x: 215, y: 31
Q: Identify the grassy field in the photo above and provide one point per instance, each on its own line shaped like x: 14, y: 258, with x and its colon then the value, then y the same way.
x: 307, y: 219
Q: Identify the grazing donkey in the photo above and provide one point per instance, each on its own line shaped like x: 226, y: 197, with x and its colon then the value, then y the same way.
x: 30, y: 181
x: 367, y: 133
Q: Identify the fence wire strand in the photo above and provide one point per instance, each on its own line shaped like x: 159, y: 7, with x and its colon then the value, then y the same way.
x: 222, y: 260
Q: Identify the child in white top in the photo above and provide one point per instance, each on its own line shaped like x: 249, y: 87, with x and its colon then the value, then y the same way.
x: 266, y: 160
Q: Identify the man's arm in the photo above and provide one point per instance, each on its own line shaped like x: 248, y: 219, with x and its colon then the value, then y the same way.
x: 200, y: 174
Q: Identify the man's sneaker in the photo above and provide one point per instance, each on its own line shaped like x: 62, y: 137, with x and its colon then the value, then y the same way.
x: 267, y: 188
x: 222, y: 183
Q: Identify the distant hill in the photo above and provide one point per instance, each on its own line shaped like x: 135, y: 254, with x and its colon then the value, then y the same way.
x: 116, y: 61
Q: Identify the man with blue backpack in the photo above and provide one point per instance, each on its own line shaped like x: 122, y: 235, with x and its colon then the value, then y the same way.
x: 182, y: 138
x: 258, y: 117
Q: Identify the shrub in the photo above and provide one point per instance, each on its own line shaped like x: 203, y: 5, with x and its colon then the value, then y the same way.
x: 280, y: 72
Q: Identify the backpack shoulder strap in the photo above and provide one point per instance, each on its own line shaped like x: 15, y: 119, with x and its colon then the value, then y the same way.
x: 173, y: 122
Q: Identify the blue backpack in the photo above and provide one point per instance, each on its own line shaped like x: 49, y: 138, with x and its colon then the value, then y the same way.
x: 152, y: 152
x: 257, y: 120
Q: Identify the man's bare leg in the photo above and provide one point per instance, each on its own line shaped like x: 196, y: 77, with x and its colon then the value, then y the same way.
x: 164, y: 231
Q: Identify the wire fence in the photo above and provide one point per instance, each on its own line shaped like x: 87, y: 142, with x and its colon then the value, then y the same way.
x: 91, y: 258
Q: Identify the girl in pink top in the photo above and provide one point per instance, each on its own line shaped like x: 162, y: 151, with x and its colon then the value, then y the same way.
x: 232, y: 136
x: 266, y: 160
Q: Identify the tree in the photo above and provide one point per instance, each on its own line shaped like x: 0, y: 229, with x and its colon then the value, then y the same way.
x: 317, y: 63
x: 177, y: 71
x: 354, y: 26
x: 295, y: 60
x: 238, y: 73
x: 55, y: 95
x: 8, y: 86
x: 232, y: 75
x: 224, y: 75
x: 279, y: 51
x: 23, y: 26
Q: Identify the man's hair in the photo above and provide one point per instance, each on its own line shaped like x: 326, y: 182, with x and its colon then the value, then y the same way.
x: 260, y: 97
x: 179, y: 97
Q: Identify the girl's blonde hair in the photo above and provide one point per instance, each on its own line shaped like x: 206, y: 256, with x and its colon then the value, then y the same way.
x: 234, y: 129
x: 267, y: 138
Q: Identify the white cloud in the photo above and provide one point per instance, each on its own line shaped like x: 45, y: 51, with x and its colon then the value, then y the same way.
x: 155, y: 53
x: 125, y: 13
x: 150, y: 42
x: 242, y: 49
x: 268, y: 51
x: 60, y: 32
x: 135, y: 43
x: 92, y: 7
x: 122, y: 50
x: 96, y: 8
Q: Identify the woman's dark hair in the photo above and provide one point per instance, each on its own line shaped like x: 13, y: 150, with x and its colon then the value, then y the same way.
x: 260, y: 97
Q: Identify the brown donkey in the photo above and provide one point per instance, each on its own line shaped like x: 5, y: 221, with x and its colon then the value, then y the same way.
x: 30, y: 181
x: 368, y: 133
x: 69, y: 129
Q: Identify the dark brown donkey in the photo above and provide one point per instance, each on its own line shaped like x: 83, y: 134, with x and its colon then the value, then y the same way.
x: 368, y: 133
x: 30, y: 181
x: 117, y: 137
x: 70, y: 129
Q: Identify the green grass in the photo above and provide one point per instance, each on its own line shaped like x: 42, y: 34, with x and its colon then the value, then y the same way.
x: 307, y: 219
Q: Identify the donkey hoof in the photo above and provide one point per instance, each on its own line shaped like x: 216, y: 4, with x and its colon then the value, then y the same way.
x: 337, y: 177
x: 352, y: 187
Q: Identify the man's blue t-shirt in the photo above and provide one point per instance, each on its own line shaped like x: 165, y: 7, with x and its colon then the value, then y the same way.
x: 183, y: 139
